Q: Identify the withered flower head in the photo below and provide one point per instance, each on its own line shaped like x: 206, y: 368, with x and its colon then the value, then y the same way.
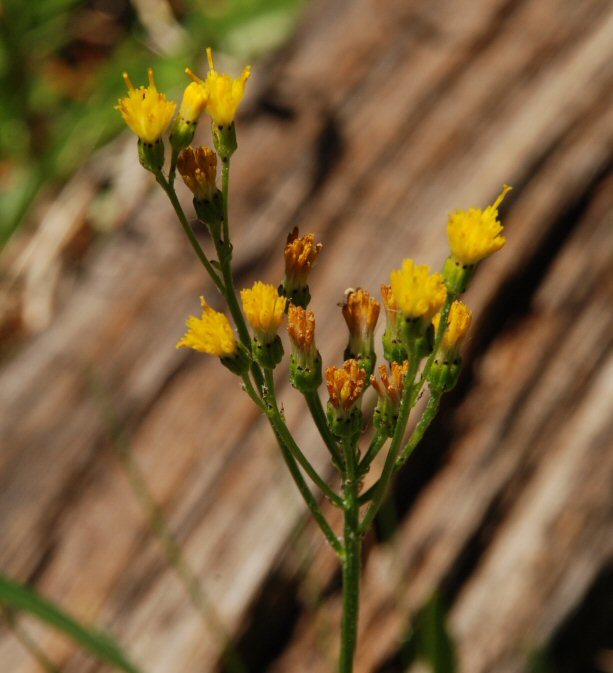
x: 361, y: 312
x: 300, y: 256
x: 301, y: 327
x: 198, y: 168
x: 345, y: 385
x: 391, y: 387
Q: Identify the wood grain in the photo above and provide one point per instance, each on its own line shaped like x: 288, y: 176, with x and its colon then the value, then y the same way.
x: 374, y: 122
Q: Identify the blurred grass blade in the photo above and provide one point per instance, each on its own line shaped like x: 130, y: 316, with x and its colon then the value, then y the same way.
x: 18, y: 597
x: 434, y: 642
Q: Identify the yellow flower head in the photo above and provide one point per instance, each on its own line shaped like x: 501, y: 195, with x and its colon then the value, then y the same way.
x: 345, y: 385
x: 391, y: 386
x: 300, y: 256
x: 212, y: 333
x: 145, y: 110
x: 264, y: 309
x: 224, y: 93
x: 193, y: 103
x: 474, y: 234
x: 416, y: 292
x: 301, y: 327
x: 198, y: 168
x: 460, y: 318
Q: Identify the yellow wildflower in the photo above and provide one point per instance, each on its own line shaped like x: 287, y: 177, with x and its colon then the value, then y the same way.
x: 146, y: 111
x: 474, y: 234
x: 460, y: 318
x: 224, y: 93
x: 212, y: 333
x: 345, y: 385
x: 416, y: 292
x: 193, y: 103
x: 264, y: 309
x: 198, y: 168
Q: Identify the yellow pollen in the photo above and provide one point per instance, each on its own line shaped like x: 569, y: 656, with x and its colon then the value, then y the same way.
x: 416, y: 292
x: 460, y: 318
x: 212, y: 333
x: 474, y: 233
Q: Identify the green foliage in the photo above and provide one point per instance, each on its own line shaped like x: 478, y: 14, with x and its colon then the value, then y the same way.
x: 56, y: 87
x: 19, y: 598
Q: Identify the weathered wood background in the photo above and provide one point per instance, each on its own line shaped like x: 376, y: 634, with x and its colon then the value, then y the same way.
x: 375, y: 121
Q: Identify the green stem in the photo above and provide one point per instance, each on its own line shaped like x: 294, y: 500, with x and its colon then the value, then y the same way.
x: 277, y: 423
x: 351, y: 562
x: 437, y: 342
x: 424, y: 422
x: 373, y: 451
x: 170, y: 192
x: 401, y: 424
x: 224, y: 252
x: 225, y: 190
x: 319, y: 417
x: 250, y: 390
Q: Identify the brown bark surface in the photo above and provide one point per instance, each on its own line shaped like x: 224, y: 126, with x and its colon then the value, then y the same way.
x: 376, y: 120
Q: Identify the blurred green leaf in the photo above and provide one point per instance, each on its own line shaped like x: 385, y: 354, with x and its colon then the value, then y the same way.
x: 20, y: 598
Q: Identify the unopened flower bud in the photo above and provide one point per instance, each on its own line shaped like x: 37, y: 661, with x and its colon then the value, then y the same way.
x: 192, y: 106
x: 361, y: 312
x: 389, y: 391
x: 445, y: 369
x: 300, y: 256
x: 345, y: 387
x: 305, y: 361
x: 393, y: 346
x: 198, y: 168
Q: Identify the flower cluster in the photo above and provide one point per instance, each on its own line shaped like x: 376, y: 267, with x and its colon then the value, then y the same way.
x: 148, y: 113
x: 426, y: 323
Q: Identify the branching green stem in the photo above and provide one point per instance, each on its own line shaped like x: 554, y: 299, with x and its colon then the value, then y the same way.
x: 372, y: 452
x: 170, y: 192
x: 424, y: 422
x: 401, y: 424
x: 319, y: 417
x: 278, y: 426
x: 437, y: 342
